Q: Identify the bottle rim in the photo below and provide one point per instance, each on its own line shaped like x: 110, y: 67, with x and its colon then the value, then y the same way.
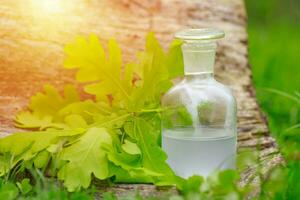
x: 200, y: 34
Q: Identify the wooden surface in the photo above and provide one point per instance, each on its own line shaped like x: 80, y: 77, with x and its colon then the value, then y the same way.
x: 32, y: 37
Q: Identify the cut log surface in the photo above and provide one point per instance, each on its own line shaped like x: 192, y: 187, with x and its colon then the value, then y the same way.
x: 33, y: 35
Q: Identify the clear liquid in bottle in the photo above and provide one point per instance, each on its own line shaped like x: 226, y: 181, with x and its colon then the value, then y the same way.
x: 199, y: 155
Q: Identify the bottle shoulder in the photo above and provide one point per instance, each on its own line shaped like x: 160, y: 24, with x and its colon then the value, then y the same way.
x: 207, y: 103
x: 208, y: 90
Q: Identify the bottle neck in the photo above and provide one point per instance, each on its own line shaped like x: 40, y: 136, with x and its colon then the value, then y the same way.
x: 198, y: 78
x: 199, y: 58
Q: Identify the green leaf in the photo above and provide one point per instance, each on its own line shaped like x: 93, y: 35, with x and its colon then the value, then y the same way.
x: 84, y: 158
x: 154, y: 158
x: 109, y: 196
x: 75, y: 121
x: 154, y: 71
x: 176, y: 116
x: 174, y: 61
x: 192, y: 184
x: 121, y: 175
x: 50, y: 102
x: 223, y: 184
x: 18, y: 143
x: 25, y: 146
x: 88, y: 110
x: 24, y: 186
x: 42, y: 159
x: 8, y: 191
x: 120, y: 157
x: 29, y: 120
x: 131, y: 148
x: 105, y: 71
x: 44, y: 109
x: 128, y: 166
x: 6, y: 163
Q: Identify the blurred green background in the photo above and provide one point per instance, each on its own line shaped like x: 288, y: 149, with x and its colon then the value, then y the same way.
x: 274, y: 51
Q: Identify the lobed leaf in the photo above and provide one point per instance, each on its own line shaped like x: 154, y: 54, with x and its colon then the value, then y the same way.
x: 84, y: 158
x: 105, y: 72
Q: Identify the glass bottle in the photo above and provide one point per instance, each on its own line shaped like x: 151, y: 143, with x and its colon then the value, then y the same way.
x: 199, y: 117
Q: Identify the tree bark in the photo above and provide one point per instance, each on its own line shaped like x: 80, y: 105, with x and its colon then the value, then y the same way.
x: 33, y: 34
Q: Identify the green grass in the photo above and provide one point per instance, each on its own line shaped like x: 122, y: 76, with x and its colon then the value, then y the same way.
x: 24, y: 190
x: 274, y: 49
x: 274, y: 59
x: 274, y: 38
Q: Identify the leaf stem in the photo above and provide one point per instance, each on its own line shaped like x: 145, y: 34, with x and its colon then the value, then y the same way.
x: 151, y: 110
x: 284, y: 94
x: 114, y: 80
x: 112, y: 120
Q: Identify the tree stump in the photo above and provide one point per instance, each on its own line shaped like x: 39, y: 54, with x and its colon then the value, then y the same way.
x: 33, y: 35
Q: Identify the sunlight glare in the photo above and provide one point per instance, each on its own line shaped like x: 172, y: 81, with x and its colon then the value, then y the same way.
x: 48, y: 6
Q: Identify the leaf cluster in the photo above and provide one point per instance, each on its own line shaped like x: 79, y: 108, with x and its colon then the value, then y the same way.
x: 114, y: 135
